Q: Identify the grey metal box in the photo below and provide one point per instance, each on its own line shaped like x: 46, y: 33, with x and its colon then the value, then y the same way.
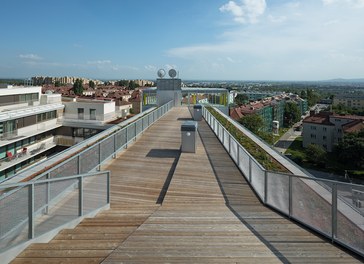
x: 188, y: 136
x: 197, y: 112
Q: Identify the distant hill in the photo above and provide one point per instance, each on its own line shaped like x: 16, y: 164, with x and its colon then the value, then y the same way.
x: 341, y: 80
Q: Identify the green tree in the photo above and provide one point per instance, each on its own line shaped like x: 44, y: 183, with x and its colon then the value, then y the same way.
x: 123, y: 83
x: 316, y: 154
x: 252, y: 122
x: 57, y: 84
x: 132, y: 85
x: 303, y: 94
x: 241, y: 99
x: 91, y: 84
x: 292, y: 114
x: 312, y: 97
x: 78, y: 87
x: 351, y: 149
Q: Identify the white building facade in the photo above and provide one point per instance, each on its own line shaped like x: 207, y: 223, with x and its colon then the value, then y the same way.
x: 28, y: 120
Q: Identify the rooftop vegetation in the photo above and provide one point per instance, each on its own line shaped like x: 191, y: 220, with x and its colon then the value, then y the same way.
x: 266, y: 160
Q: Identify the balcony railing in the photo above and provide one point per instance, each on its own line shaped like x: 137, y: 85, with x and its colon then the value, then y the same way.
x: 32, y: 209
x: 335, y: 210
x: 9, y: 135
x: 18, y: 202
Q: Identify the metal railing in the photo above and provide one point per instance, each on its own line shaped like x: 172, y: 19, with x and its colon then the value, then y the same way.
x: 328, y: 211
x: 31, y: 209
x: 22, y: 205
x: 93, y: 156
x: 90, y: 154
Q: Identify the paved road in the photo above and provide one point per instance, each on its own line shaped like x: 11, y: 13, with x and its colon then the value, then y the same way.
x: 286, y: 140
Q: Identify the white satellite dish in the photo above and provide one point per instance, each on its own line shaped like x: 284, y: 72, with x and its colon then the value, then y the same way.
x: 172, y: 73
x: 161, y: 73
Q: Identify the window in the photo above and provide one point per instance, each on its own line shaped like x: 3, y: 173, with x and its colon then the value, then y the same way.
x: 324, y: 137
x: 313, y: 128
x: 80, y: 113
x: 324, y: 129
x: 46, y: 116
x: 313, y: 136
x: 92, y: 114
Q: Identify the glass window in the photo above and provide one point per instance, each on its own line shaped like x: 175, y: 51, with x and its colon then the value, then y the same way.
x: 93, y: 114
x: 80, y: 113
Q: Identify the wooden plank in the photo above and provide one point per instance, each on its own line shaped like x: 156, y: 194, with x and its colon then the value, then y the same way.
x: 209, y: 212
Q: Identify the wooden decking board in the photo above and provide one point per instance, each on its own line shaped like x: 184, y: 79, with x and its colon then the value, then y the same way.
x: 209, y: 213
x: 89, y: 260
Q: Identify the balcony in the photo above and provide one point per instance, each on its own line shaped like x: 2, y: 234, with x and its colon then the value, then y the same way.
x: 27, y: 132
x: 168, y: 206
x: 31, y: 151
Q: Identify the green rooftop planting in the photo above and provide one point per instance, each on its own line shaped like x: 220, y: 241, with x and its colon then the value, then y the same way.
x: 266, y: 160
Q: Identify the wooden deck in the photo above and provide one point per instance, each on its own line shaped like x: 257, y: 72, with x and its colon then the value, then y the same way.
x: 172, y: 207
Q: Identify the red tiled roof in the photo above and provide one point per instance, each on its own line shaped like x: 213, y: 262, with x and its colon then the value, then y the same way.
x: 353, y: 117
x: 236, y: 113
x: 321, y: 118
x: 354, y: 126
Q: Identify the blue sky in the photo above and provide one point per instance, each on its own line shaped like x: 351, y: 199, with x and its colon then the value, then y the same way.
x: 202, y: 39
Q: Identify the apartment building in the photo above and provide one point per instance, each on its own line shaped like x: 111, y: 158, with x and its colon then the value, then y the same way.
x: 352, y: 101
x: 270, y: 109
x: 28, y: 121
x: 46, y: 80
x: 327, y: 129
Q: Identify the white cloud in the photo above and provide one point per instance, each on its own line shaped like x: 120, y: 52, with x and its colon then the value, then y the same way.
x: 298, y: 45
x: 151, y: 68
x: 278, y: 19
x: 30, y: 57
x: 351, y: 3
x: 99, y: 62
x: 170, y: 66
x: 247, y: 11
x: 230, y: 59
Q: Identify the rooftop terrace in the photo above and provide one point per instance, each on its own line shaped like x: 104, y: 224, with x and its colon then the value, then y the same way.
x: 168, y: 206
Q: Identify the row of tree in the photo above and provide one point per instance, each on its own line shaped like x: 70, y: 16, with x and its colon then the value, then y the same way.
x: 131, y: 85
x: 78, y: 85
x: 349, y: 152
x: 255, y: 122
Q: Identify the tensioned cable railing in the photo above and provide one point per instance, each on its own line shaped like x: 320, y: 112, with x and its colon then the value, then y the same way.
x: 301, y: 198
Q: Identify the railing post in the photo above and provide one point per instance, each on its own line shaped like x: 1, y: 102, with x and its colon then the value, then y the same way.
x: 334, y: 212
x: 79, y: 164
x: 290, y: 191
x: 238, y: 155
x: 215, y: 126
x: 80, y: 196
x: 229, y: 151
x: 108, y: 187
x: 250, y: 169
x: 31, y: 211
x: 48, y: 194
x: 265, y: 186
x: 126, y: 137
x: 135, y: 130
x: 99, y: 167
x: 142, y: 124
x: 114, y: 156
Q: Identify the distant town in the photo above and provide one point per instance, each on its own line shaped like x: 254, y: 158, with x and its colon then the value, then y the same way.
x: 319, y: 125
